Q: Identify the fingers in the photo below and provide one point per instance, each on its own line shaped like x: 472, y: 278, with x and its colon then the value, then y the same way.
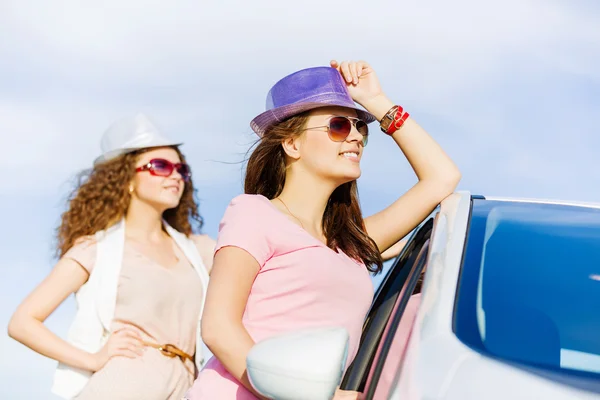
x: 351, y: 71
x: 125, y: 353
x: 131, y: 343
x: 126, y: 342
x: 136, y: 351
x: 131, y: 334
x: 345, y: 70
x: 128, y: 332
x: 127, y: 348
x: 130, y: 329
x: 359, y: 68
x: 354, y: 71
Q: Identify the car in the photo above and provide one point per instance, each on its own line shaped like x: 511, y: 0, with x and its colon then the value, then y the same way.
x: 491, y: 298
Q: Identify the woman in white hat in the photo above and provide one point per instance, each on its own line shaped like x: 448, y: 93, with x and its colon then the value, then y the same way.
x: 139, y: 275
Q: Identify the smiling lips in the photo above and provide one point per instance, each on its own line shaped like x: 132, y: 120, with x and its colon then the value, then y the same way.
x: 351, y: 155
x: 173, y: 188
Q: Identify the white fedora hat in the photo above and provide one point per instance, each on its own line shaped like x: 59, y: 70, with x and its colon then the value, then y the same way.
x: 131, y: 134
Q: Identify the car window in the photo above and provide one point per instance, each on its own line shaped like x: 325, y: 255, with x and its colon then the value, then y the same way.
x: 529, y: 291
x: 382, y: 307
x: 390, y: 353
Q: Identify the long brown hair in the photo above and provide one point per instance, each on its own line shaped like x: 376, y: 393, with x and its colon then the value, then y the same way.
x: 101, y: 198
x: 343, y: 224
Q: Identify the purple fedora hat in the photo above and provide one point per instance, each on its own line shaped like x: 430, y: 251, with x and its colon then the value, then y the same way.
x: 303, y: 91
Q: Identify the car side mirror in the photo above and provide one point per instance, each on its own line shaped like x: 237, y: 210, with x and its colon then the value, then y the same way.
x: 300, y: 365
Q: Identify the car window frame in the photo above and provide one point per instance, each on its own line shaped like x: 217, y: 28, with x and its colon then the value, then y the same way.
x: 384, y: 303
x: 389, y: 334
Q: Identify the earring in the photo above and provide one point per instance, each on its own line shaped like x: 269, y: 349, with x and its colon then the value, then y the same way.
x: 130, y: 189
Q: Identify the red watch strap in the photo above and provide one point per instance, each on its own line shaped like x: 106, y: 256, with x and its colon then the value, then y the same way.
x: 399, y: 119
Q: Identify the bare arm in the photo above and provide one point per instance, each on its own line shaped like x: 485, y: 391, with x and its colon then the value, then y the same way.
x: 393, y: 251
x: 438, y: 175
x: 222, y: 329
x: 206, y: 247
x: 27, y: 322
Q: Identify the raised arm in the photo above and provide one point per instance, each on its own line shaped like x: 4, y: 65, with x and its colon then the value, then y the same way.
x: 437, y: 174
x: 438, y: 177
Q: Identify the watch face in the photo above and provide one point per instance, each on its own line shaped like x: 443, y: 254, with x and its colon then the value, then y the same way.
x: 384, y: 125
x: 386, y: 121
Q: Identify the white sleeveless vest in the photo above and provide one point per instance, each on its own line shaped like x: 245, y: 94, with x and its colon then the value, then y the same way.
x: 97, y: 298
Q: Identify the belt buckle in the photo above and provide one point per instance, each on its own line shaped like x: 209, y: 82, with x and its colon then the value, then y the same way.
x: 166, y: 350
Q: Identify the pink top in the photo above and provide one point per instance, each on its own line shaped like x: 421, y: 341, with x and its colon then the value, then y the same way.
x: 301, y: 284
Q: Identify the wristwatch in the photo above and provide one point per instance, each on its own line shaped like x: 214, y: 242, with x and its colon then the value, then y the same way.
x: 393, y: 120
x: 389, y: 118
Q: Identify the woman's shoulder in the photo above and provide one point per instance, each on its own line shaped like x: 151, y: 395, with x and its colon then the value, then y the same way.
x: 203, y: 242
x: 249, y: 224
x: 249, y: 200
x: 83, y: 243
x: 248, y: 207
x: 83, y: 252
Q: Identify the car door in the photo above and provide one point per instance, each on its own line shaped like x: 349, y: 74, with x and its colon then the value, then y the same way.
x: 389, y: 304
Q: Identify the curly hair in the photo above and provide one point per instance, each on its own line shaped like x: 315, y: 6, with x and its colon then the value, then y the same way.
x: 101, y: 198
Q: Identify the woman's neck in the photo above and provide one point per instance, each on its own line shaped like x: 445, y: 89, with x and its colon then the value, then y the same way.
x: 305, y: 198
x: 144, y: 222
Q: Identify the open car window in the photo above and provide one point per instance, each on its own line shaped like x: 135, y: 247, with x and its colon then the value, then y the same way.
x: 384, y: 303
x: 390, y: 352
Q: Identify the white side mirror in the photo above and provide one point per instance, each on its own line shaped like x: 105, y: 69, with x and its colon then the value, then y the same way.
x: 301, y: 365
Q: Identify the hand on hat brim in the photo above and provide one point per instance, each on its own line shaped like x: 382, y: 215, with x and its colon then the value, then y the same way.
x: 360, y: 78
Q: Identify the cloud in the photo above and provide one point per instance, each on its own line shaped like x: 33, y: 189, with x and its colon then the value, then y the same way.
x: 442, y: 47
x: 203, y: 69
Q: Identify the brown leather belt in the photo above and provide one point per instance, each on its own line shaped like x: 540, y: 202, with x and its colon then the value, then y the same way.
x: 170, y: 350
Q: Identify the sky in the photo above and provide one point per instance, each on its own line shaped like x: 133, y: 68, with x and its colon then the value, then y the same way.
x: 510, y: 89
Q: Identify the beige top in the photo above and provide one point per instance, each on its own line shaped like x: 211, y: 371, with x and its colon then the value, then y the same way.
x: 163, y: 302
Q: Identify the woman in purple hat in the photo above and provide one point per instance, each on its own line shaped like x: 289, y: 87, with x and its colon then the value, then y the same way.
x: 294, y: 251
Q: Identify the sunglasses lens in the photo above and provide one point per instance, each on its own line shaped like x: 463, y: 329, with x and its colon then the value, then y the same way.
x: 339, y: 128
x: 362, y: 127
x: 184, y: 171
x: 161, y: 167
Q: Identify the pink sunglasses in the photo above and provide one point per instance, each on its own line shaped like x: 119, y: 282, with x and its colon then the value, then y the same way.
x: 164, y: 168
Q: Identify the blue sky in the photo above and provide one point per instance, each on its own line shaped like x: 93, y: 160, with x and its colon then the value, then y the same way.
x: 511, y: 90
